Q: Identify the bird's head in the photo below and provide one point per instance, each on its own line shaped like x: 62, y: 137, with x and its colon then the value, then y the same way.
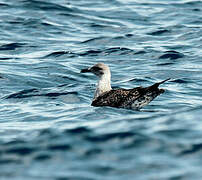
x: 98, y: 69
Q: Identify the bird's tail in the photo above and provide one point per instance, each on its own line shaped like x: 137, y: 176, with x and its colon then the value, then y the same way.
x: 156, y: 85
x: 162, y: 82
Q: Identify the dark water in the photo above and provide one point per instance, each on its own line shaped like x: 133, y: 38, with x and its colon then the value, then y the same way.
x: 49, y: 131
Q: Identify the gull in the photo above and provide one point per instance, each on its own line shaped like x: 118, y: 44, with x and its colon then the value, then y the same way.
x: 134, y: 98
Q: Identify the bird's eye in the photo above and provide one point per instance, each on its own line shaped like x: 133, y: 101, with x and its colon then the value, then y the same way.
x: 97, y: 68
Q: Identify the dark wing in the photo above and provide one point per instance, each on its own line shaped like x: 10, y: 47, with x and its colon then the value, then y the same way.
x: 118, y: 97
x: 127, y: 98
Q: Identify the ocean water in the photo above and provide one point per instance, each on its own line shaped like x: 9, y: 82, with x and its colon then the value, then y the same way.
x: 49, y: 131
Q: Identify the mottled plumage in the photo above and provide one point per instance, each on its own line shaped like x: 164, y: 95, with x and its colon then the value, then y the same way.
x: 134, y: 98
x: 128, y: 98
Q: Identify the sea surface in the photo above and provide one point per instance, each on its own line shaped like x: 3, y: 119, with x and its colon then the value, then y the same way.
x: 49, y: 131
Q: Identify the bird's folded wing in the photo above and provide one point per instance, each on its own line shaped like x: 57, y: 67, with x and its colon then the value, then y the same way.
x: 118, y: 97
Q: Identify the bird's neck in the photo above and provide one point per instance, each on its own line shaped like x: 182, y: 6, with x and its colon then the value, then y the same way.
x: 104, y: 85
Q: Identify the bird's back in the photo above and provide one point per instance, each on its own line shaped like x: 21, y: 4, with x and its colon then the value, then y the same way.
x: 134, y: 98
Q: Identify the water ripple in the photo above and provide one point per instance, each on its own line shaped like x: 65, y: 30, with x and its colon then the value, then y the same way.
x: 47, y: 124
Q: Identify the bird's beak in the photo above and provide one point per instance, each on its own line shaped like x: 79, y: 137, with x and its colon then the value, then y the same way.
x: 85, y: 70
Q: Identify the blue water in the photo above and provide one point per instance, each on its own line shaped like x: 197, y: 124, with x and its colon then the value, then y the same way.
x: 49, y: 131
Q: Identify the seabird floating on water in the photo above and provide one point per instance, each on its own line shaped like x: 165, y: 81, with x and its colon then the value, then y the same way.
x: 135, y: 98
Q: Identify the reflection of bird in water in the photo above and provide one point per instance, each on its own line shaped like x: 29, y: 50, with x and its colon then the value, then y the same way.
x: 135, y: 98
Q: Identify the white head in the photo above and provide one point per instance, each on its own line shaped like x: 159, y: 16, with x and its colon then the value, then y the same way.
x: 102, y: 71
x: 98, y: 69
